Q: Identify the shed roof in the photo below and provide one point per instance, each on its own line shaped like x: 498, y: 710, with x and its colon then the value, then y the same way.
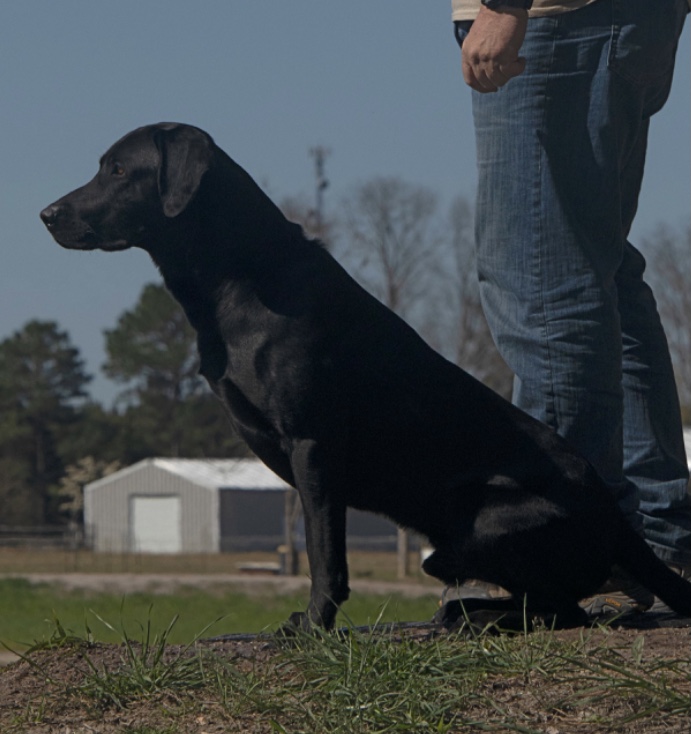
x: 242, y: 474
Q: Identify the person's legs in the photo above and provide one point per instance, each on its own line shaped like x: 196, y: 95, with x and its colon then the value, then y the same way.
x: 654, y: 456
x: 560, y: 154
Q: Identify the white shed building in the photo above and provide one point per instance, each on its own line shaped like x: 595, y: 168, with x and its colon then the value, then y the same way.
x: 207, y: 506
x: 202, y: 506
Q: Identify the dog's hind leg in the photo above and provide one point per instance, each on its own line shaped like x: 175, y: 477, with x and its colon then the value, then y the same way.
x: 445, y: 566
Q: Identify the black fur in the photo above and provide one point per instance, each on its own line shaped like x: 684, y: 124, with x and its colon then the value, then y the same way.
x: 346, y: 402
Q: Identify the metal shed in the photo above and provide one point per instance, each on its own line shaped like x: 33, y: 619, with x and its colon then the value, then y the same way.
x: 202, y: 506
x: 186, y: 506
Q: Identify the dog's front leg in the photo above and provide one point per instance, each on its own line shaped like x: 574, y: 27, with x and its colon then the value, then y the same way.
x: 319, y: 480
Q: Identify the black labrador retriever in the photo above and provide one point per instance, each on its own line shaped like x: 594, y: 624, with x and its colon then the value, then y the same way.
x: 346, y: 402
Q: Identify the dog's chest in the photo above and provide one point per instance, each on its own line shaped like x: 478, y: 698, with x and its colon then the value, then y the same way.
x: 257, y: 410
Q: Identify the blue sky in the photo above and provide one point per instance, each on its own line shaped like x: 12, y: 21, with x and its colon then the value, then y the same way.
x: 378, y: 82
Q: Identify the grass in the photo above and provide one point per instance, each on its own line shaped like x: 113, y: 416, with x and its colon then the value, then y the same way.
x: 380, y: 566
x: 368, y: 684
x: 361, y: 683
x: 28, y: 612
x: 162, y: 681
x: 147, y: 668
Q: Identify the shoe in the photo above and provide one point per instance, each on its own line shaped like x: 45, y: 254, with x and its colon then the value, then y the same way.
x: 472, y: 589
x: 617, y: 603
x: 620, y: 594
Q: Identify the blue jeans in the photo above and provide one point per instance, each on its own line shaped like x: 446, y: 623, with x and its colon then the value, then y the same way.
x: 561, y: 150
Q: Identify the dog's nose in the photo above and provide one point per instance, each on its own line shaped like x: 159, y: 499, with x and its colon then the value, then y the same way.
x: 50, y: 215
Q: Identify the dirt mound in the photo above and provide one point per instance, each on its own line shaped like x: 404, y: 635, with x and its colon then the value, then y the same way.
x: 51, y: 692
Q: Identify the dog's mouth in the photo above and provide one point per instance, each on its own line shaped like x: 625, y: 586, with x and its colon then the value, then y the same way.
x: 72, y: 241
x: 91, y: 241
x: 82, y: 238
x: 85, y: 240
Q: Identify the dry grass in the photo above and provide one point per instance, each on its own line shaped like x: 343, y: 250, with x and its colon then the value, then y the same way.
x: 571, y: 682
x: 380, y: 566
x: 579, y: 682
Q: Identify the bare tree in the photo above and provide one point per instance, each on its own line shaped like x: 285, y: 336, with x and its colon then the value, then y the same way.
x: 321, y: 227
x: 393, y: 240
x: 669, y: 258
x: 474, y: 348
x: 422, y: 266
x: 393, y: 243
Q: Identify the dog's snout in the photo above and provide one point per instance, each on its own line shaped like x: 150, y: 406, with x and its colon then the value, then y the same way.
x: 50, y: 215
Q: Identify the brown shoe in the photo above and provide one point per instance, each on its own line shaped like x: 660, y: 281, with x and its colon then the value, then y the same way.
x: 619, y: 595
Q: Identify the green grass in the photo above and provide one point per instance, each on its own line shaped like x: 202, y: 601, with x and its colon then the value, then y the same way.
x: 482, y: 683
x: 361, y: 683
x: 356, y: 683
x: 28, y: 612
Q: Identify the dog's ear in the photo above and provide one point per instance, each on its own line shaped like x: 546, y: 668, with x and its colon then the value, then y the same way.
x: 186, y: 155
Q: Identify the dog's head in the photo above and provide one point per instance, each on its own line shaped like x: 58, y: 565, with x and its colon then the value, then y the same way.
x: 147, y: 178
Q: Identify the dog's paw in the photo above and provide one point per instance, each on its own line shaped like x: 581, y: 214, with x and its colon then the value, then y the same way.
x: 450, y: 615
x: 300, y: 621
x: 297, y: 622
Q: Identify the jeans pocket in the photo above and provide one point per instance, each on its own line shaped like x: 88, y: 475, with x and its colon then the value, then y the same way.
x: 461, y: 28
x: 645, y: 35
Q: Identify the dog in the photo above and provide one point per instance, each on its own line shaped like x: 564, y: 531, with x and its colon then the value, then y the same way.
x: 346, y: 402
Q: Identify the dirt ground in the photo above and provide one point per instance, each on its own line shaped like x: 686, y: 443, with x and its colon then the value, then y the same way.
x: 38, y: 697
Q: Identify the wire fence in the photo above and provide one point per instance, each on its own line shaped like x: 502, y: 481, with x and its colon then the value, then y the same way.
x: 64, y: 537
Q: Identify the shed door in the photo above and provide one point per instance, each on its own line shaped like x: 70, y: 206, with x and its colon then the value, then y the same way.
x: 156, y: 524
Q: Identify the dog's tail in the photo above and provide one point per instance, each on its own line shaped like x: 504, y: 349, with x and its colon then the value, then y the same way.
x: 636, y: 557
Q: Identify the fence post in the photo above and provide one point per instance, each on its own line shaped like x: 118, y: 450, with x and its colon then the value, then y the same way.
x: 402, y: 548
x: 290, y: 560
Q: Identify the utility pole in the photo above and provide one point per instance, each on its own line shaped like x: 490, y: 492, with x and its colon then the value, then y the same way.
x: 320, y: 154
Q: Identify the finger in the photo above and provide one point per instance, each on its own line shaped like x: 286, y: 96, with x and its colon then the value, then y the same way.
x: 474, y: 72
x: 469, y: 74
x: 471, y: 79
x: 485, y: 84
x: 514, y: 69
x: 489, y: 78
x: 498, y: 77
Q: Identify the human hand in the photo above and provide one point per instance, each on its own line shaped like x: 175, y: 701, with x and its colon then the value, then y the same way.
x: 490, y: 51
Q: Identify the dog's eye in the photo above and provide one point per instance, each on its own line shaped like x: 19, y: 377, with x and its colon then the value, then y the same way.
x: 117, y: 170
